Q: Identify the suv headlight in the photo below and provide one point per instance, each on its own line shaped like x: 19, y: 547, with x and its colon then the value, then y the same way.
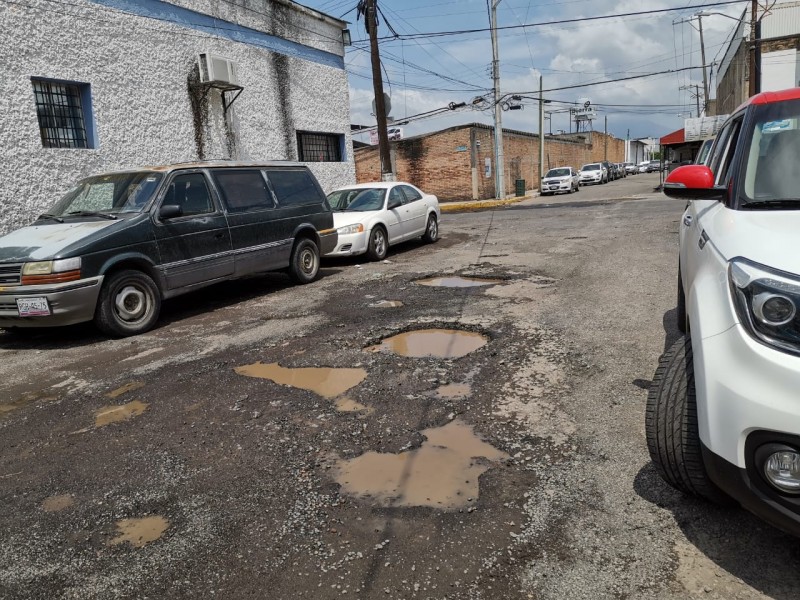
x: 767, y: 302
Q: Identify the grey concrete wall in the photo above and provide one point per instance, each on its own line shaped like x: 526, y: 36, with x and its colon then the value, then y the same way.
x: 140, y: 70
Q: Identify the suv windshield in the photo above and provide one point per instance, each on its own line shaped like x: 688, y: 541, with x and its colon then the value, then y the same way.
x: 357, y: 199
x: 558, y: 173
x: 592, y: 167
x: 109, y: 194
x: 771, y: 173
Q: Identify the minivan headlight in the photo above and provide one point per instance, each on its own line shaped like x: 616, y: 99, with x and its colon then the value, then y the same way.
x: 767, y: 303
x: 51, y: 271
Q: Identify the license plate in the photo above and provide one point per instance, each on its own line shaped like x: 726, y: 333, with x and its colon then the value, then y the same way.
x: 33, y: 307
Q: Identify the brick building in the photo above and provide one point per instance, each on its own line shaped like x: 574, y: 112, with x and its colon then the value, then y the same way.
x: 458, y: 163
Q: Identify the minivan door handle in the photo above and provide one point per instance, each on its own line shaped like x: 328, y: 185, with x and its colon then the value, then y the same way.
x: 687, y: 220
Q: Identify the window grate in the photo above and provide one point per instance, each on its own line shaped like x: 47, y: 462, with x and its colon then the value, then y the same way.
x: 60, y: 112
x: 319, y: 147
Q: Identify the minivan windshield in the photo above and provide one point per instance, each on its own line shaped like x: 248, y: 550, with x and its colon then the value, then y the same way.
x: 771, y: 176
x: 104, y: 195
x: 357, y: 199
x: 592, y: 167
x: 558, y: 173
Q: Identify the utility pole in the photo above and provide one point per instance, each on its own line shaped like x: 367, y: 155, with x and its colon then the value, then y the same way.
x: 703, y: 58
x: 541, y: 132
x: 695, y: 94
x: 752, y: 67
x: 499, y: 169
x: 371, y: 17
x: 605, y: 140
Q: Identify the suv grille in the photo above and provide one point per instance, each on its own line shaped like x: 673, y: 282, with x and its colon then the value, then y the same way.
x: 10, y: 274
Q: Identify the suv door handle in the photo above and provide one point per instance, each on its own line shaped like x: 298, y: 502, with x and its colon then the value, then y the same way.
x: 687, y: 220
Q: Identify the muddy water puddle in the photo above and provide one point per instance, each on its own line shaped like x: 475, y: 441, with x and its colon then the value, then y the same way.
x: 117, y: 414
x: 139, y: 532
x: 440, y: 343
x: 128, y: 387
x: 345, y: 404
x: 327, y: 382
x: 454, y: 390
x: 26, y: 399
x: 58, y: 503
x: 458, y: 282
x: 442, y: 473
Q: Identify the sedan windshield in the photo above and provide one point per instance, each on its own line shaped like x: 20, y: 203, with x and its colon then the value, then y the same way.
x: 594, y: 167
x: 558, y: 173
x: 771, y: 175
x: 108, y: 195
x: 357, y: 199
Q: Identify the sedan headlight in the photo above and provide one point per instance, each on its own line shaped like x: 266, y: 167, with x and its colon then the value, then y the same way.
x: 767, y: 303
x: 349, y: 229
x: 51, y: 271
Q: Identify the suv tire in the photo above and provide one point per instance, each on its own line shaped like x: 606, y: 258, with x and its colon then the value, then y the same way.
x: 129, y: 304
x: 304, y: 265
x: 671, y: 427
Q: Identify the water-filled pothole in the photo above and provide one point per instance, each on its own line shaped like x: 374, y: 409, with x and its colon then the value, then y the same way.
x: 458, y: 282
x: 327, y: 382
x: 442, y: 473
x: 440, y: 343
x: 140, y: 531
x: 117, y: 414
x: 345, y: 404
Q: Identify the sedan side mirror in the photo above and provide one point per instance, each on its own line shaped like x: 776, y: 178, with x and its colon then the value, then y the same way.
x: 693, y: 182
x: 394, y: 203
x: 170, y: 211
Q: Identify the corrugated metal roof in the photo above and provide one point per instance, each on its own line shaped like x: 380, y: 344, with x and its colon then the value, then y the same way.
x: 782, y: 19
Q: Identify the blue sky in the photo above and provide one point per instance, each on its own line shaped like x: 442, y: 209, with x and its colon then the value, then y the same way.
x: 565, y: 55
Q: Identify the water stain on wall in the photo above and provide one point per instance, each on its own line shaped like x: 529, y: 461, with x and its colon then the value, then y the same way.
x: 443, y: 473
x: 327, y: 382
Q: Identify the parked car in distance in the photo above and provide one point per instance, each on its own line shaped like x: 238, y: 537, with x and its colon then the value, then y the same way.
x: 642, y: 166
x: 609, y: 170
x: 560, y: 179
x: 654, y: 166
x: 117, y: 244
x: 591, y: 173
x: 722, y: 418
x: 370, y: 217
x: 631, y: 169
x: 621, y: 170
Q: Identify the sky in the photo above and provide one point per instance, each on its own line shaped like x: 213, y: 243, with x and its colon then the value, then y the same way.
x: 429, y: 73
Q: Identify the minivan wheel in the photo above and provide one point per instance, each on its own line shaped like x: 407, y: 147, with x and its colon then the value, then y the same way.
x: 431, y: 230
x: 304, y: 265
x: 673, y: 438
x: 378, y: 244
x: 129, y: 304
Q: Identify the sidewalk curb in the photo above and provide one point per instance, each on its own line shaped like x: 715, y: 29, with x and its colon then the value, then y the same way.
x: 470, y: 205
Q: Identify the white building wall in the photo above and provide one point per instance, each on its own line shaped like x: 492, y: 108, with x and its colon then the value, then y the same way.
x: 139, y: 69
x: 778, y: 70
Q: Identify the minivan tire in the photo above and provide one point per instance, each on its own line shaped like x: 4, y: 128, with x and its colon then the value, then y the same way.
x: 431, y: 230
x: 304, y: 266
x: 671, y: 428
x: 378, y: 244
x: 129, y: 304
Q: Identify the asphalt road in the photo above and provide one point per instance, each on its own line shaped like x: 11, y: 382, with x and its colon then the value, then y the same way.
x: 177, y: 465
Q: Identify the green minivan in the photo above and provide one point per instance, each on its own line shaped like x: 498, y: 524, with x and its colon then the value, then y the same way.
x: 117, y: 244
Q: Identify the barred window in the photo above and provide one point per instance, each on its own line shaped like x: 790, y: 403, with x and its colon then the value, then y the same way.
x: 62, y: 111
x: 319, y: 147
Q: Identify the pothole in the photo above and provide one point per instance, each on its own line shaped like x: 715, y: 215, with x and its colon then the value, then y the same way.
x: 327, y: 382
x: 458, y: 282
x: 140, y: 531
x: 117, y: 414
x: 58, y: 503
x: 128, y: 387
x: 345, y: 404
x: 440, y: 343
x: 386, y: 304
x: 443, y: 473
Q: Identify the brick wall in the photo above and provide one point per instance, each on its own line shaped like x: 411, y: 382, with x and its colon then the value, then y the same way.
x: 452, y: 163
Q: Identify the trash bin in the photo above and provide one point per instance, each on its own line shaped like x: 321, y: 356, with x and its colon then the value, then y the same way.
x: 519, y: 187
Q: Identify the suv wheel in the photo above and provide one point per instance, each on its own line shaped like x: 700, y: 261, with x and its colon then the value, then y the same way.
x: 129, y: 304
x: 671, y: 427
x: 304, y: 265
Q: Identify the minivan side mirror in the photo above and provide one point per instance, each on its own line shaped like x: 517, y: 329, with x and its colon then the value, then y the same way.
x: 693, y: 182
x: 170, y: 211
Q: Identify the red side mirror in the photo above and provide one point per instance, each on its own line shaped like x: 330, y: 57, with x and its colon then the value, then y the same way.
x: 693, y: 182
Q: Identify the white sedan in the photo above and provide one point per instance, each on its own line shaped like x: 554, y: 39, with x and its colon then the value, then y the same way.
x: 370, y: 217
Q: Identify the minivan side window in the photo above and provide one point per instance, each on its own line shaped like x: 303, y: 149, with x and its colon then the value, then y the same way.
x: 190, y: 192
x: 243, y: 190
x: 294, y: 187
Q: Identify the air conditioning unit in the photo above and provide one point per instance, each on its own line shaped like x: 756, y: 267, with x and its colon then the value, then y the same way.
x: 216, y: 69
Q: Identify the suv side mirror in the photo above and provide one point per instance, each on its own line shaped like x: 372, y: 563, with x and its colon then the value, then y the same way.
x: 169, y: 211
x: 693, y: 182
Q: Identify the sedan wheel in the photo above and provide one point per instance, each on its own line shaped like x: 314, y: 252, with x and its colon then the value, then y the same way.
x: 431, y: 231
x: 378, y: 244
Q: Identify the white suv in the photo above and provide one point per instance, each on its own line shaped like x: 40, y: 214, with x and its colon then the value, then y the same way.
x: 723, y: 413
